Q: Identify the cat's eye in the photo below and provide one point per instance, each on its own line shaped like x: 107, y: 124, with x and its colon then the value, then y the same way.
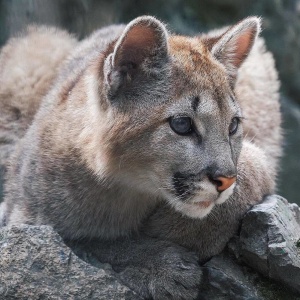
x: 234, y: 125
x: 181, y: 125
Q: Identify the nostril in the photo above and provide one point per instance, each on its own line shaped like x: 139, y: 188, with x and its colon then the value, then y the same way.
x: 222, y: 183
x: 217, y: 183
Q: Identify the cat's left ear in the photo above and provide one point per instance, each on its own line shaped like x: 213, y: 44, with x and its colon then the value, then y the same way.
x: 140, y: 51
x: 233, y: 46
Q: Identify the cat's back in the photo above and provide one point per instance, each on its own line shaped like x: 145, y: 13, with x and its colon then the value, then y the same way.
x: 35, y: 61
x: 31, y: 64
x: 257, y: 89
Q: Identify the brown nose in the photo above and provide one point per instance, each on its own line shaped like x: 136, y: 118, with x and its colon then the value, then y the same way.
x: 223, y: 183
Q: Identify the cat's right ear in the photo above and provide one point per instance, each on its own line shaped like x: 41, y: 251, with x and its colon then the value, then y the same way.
x: 233, y: 46
x: 141, y: 49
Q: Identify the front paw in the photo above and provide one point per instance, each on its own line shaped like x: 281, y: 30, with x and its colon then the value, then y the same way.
x: 174, y: 273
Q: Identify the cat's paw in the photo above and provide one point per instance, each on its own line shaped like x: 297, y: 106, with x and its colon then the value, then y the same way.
x: 173, y: 274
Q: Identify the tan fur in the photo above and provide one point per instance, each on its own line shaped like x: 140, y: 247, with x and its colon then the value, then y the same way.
x: 257, y: 89
x: 101, y: 159
x: 28, y: 68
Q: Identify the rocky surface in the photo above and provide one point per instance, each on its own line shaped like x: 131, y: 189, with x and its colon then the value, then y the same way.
x: 227, y: 278
x: 36, y: 264
x: 263, y: 262
x: 269, y: 240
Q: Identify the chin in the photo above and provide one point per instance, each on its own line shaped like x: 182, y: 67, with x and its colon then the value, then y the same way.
x: 196, y: 210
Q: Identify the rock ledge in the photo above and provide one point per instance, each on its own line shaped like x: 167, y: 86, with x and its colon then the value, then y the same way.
x: 263, y: 262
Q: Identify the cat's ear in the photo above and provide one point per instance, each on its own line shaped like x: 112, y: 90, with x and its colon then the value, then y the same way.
x: 142, y: 48
x: 233, y: 46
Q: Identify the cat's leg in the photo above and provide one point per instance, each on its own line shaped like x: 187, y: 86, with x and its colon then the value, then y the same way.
x: 153, y: 268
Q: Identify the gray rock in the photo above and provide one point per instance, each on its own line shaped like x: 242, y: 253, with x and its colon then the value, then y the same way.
x: 36, y: 264
x: 224, y: 279
x: 269, y: 240
x: 227, y: 278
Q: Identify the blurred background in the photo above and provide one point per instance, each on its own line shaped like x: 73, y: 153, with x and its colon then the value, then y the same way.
x: 281, y: 29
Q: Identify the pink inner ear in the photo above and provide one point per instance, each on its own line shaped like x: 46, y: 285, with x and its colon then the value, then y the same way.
x: 138, y: 43
x: 140, y: 37
x: 243, y: 45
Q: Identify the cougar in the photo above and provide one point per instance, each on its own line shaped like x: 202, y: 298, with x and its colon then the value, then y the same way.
x: 145, y: 146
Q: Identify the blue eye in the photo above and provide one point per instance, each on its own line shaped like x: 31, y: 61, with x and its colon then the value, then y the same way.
x: 234, y: 125
x: 181, y: 125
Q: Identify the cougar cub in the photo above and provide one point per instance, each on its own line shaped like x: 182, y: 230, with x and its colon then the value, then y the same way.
x: 145, y: 144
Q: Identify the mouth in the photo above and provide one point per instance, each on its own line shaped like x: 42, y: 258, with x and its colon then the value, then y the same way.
x: 196, y: 200
x: 195, y: 210
x: 203, y: 204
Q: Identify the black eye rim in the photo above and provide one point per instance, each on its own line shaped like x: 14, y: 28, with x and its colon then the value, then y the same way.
x: 235, y: 129
x: 189, y: 131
